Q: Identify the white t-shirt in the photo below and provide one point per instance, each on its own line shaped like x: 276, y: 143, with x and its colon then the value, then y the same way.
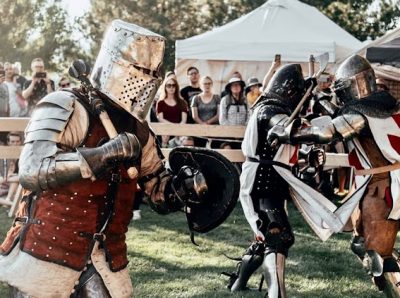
x: 15, y: 108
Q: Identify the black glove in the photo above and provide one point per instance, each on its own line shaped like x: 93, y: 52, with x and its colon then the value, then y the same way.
x: 277, y: 134
x: 123, y: 148
x: 316, y: 157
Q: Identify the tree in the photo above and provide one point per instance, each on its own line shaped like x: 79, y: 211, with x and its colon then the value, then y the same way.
x: 37, y: 28
x: 174, y: 19
x: 364, y: 19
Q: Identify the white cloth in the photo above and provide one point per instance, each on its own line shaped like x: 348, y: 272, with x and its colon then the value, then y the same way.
x: 15, y: 108
x: 41, y: 279
x: 386, y: 133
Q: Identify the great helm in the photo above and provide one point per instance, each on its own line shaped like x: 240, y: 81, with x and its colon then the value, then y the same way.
x: 288, y: 83
x: 127, y: 68
x: 354, y: 79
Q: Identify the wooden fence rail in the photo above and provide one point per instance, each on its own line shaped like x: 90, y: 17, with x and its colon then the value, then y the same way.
x: 196, y: 130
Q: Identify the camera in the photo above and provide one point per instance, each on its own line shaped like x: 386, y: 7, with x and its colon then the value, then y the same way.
x: 2, y: 72
x: 40, y: 75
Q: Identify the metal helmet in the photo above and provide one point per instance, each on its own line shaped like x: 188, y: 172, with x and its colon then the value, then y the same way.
x: 127, y: 68
x: 288, y: 83
x: 354, y: 79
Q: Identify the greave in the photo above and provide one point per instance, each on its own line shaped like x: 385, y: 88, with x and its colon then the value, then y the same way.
x: 249, y: 264
x: 274, y: 273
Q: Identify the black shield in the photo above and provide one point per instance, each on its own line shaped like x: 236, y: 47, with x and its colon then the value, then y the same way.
x: 223, y: 186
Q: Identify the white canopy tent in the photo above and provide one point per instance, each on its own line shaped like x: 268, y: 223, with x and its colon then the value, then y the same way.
x: 249, y: 44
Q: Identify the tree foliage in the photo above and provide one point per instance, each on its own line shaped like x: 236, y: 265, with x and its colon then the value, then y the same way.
x: 36, y: 28
x: 41, y: 28
x: 174, y: 19
x: 364, y: 19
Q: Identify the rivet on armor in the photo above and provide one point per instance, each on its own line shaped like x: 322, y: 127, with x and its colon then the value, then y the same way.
x: 72, y: 198
x: 67, y: 208
x: 63, y: 219
x: 102, y: 213
x: 75, y: 193
x: 50, y: 247
x: 73, y: 290
x: 55, y: 194
x: 47, y: 256
x: 64, y: 261
x: 51, y: 204
x: 67, y: 253
x: 34, y: 243
x: 32, y: 249
x: 57, y: 228
x: 258, y: 188
x: 89, y: 201
x: 75, y: 232
x: 70, y: 243
x: 91, y: 195
x: 84, y: 211
x: 54, y: 238
x: 42, y: 223
x: 39, y: 233
x: 48, y: 213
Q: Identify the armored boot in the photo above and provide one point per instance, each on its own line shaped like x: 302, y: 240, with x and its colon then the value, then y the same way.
x: 274, y: 274
x: 251, y: 260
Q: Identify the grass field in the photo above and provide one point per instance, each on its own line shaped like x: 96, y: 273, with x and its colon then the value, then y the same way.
x: 164, y: 263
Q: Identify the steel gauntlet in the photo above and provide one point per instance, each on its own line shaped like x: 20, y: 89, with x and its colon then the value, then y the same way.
x: 123, y: 148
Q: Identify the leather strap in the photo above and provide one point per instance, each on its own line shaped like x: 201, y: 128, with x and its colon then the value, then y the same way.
x: 378, y: 170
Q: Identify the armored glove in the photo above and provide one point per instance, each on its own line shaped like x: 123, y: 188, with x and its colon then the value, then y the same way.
x: 278, y: 133
x: 123, y: 148
x: 316, y: 157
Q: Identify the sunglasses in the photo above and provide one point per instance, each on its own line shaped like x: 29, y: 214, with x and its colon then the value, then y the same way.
x: 207, y: 83
x: 170, y: 85
x: 65, y: 85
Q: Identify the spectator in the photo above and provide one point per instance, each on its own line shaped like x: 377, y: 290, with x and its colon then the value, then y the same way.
x: 236, y: 74
x: 171, y: 107
x: 17, y: 104
x: 381, y: 85
x: 194, y: 88
x: 233, y: 108
x: 4, y: 97
x: 20, y: 79
x: 205, y: 107
x: 187, y: 141
x: 63, y: 83
x: 39, y: 86
x: 252, y: 90
x: 9, y: 180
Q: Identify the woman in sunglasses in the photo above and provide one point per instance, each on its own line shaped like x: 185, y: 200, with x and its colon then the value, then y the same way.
x: 171, y: 107
x: 64, y: 83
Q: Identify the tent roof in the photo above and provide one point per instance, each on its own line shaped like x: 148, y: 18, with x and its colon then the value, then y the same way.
x: 289, y: 27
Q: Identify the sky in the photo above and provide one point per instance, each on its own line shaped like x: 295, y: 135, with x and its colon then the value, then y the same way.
x: 76, y: 8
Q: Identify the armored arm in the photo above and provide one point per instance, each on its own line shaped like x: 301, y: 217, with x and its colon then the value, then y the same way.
x: 58, y: 125
x: 321, y: 130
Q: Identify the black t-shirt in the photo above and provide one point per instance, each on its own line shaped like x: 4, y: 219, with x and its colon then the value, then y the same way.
x: 187, y: 93
x: 39, y: 91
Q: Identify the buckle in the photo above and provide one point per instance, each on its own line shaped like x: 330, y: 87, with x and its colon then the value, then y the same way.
x: 115, y: 177
x: 99, y: 237
x: 22, y: 219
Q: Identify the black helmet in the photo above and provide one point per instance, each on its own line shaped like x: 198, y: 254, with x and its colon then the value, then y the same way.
x: 288, y: 83
x: 354, y: 79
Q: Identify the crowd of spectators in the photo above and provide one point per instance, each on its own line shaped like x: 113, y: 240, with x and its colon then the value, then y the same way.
x: 18, y: 97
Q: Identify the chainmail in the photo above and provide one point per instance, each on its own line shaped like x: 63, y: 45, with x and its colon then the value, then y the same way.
x: 378, y: 104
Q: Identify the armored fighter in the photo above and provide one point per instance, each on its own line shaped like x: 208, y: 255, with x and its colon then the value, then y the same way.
x: 369, y: 121
x: 68, y: 238
x: 262, y: 190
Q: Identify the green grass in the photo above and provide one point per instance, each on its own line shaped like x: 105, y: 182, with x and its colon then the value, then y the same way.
x: 164, y: 263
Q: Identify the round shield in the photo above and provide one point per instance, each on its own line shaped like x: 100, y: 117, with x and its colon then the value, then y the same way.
x: 222, y: 180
